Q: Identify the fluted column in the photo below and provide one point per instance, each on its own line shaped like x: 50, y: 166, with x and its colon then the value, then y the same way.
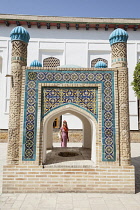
x: 18, y: 59
x: 119, y: 55
x: 125, y: 155
x: 118, y: 41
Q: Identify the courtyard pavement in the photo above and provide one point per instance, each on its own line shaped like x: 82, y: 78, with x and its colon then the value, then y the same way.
x: 71, y: 201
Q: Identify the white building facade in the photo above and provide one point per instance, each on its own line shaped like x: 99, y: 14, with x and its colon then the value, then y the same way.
x: 74, y: 41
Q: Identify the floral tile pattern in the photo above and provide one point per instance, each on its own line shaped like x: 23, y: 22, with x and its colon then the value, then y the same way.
x: 83, y: 97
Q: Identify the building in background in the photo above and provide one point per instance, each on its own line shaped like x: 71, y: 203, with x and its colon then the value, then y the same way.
x: 67, y: 41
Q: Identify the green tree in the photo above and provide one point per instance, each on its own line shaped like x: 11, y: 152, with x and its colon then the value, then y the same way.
x: 136, y: 80
x: 136, y: 87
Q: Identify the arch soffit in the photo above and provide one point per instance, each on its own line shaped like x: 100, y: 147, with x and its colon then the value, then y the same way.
x: 80, y: 116
x: 69, y: 108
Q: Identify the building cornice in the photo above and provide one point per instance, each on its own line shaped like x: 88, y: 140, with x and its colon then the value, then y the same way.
x: 68, y: 22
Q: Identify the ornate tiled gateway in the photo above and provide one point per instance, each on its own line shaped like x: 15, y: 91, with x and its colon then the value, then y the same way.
x: 52, y: 98
x: 99, y: 96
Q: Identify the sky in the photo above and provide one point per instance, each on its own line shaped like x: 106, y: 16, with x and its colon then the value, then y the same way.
x: 73, y: 8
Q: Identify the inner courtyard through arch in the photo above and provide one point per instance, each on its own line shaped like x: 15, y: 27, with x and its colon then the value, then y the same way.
x: 74, y: 153
x: 85, y: 149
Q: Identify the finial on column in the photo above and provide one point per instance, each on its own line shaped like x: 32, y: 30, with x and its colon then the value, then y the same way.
x: 20, y: 33
x: 19, y: 38
x: 100, y: 64
x: 35, y: 63
x: 118, y: 39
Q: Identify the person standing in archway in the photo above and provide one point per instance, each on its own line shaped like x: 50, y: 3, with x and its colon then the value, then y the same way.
x: 64, y: 134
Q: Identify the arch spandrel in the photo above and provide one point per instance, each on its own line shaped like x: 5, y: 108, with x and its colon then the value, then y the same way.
x: 69, y: 108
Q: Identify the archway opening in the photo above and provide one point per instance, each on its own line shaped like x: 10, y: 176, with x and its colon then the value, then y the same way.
x: 89, y: 135
x: 75, y: 130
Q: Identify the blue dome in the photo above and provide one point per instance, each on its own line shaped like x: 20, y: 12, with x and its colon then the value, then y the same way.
x: 118, y: 35
x: 100, y: 64
x: 36, y: 63
x: 20, y: 33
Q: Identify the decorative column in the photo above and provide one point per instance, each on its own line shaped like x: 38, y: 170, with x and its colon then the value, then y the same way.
x: 118, y: 42
x: 19, y: 38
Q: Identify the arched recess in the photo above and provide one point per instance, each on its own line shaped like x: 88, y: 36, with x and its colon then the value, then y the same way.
x: 94, y: 61
x: 51, y: 62
x: 90, y: 128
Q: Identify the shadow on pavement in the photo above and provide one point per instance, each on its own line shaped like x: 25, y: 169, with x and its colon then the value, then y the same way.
x: 136, y: 162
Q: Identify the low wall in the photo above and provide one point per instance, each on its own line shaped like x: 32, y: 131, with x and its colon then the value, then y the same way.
x: 3, y: 135
x: 74, y: 135
x: 27, y: 179
x: 135, y: 136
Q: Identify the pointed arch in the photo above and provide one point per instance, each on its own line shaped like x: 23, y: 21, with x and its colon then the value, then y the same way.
x: 90, y: 128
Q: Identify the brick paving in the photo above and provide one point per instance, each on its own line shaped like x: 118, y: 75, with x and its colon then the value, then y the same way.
x: 72, y: 201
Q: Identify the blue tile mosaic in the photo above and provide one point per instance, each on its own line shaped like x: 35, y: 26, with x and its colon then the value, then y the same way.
x: 81, y: 96
x: 55, y: 97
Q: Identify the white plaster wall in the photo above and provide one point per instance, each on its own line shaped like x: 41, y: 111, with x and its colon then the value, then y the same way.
x: 76, y: 53
x: 133, y: 107
x: 33, y: 52
x: 93, y: 54
x: 45, y: 53
x: 71, y: 46
x: 73, y: 121
x: 4, y: 85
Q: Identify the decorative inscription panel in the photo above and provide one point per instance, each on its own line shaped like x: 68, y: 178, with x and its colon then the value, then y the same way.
x: 105, y: 78
x: 83, y: 97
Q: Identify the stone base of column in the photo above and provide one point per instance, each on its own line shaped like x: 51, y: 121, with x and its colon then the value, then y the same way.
x: 99, y: 179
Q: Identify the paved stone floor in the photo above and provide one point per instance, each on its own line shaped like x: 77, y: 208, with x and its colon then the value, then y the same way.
x: 83, y: 156
x: 71, y: 201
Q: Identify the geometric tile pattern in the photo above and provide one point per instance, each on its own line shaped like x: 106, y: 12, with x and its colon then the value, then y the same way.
x: 105, y: 78
x: 55, y: 97
x: 51, y: 62
x: 94, y: 61
x: 19, y: 48
x: 119, y: 52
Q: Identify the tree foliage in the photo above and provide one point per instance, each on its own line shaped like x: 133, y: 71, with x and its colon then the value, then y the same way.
x: 136, y: 80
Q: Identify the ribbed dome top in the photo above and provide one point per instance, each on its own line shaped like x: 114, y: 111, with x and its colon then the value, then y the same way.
x: 20, y: 33
x: 36, y: 63
x: 118, y: 35
x: 100, y: 64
